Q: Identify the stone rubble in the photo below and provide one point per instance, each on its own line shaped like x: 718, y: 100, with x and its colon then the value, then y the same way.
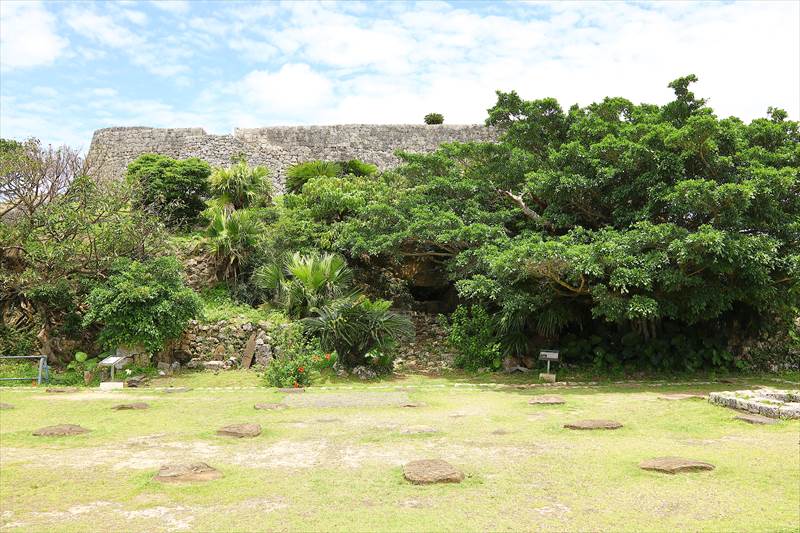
x: 772, y: 403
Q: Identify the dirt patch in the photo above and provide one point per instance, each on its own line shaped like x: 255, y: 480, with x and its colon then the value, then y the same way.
x: 344, y: 399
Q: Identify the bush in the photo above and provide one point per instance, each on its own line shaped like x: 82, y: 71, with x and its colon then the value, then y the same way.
x: 355, y: 326
x: 142, y: 303
x: 473, y: 332
x: 355, y: 167
x: 232, y: 236
x: 171, y: 189
x: 292, y: 363
x: 240, y: 185
x: 297, y: 175
x: 434, y: 118
x: 304, y: 282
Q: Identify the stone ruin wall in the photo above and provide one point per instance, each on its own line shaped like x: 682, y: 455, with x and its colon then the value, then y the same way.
x: 112, y: 149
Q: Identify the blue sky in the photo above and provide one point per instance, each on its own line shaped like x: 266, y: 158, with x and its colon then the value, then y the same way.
x: 69, y: 68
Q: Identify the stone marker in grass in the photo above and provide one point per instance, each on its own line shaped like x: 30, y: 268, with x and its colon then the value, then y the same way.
x: 675, y: 465
x: 682, y: 396
x: 427, y: 471
x: 177, y: 389
x: 546, y: 400
x: 6, y: 406
x: 269, y: 406
x: 131, y: 406
x: 185, y: 473
x: 752, y: 418
x: 593, y: 424
x: 240, y: 430
x: 418, y: 430
x: 60, y: 430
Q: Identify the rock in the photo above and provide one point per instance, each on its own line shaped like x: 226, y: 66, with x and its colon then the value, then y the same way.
x: 270, y: 406
x: 6, y: 406
x: 682, y: 396
x: 674, y: 465
x: 195, y: 362
x: 510, y: 363
x: 59, y: 390
x: 428, y: 471
x: 755, y: 419
x: 131, y: 406
x: 165, y: 368
x: 364, y: 373
x: 213, y: 365
x: 249, y: 351
x: 175, y: 366
x: 547, y: 378
x: 291, y: 390
x: 412, y: 404
x: 240, y: 430
x: 219, y: 352
x: 546, y: 400
x: 177, y: 389
x: 60, y: 430
x: 183, y: 473
x: 418, y: 430
x: 136, y: 381
x: 593, y: 424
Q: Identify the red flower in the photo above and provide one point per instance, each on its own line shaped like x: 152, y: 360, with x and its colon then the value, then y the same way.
x: 296, y: 385
x: 328, y: 356
x: 301, y: 369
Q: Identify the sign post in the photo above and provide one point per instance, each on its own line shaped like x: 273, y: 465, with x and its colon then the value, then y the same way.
x: 548, y: 355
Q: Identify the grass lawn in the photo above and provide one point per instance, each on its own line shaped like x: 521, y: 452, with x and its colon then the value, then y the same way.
x: 333, y: 460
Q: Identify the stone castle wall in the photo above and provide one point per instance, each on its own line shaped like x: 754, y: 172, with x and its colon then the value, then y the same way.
x: 112, y: 149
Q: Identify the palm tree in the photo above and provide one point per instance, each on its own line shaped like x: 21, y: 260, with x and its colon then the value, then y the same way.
x: 232, y: 236
x: 240, y: 185
x: 297, y: 175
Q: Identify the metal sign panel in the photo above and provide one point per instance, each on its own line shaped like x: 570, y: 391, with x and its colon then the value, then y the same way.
x: 114, y: 360
x: 548, y: 355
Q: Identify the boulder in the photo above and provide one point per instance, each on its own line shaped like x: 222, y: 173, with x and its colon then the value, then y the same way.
x: 593, y: 424
x: 270, y: 406
x: 130, y: 406
x: 674, y: 465
x: 240, y: 430
x: 5, y: 406
x: 546, y: 400
x: 136, y: 381
x: 183, y: 473
x: 60, y: 430
x: 428, y: 471
x: 249, y: 351
x: 213, y: 365
x: 752, y: 418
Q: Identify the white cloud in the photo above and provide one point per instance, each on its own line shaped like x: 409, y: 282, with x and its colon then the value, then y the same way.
x: 101, y: 28
x: 177, y: 7
x: 295, y: 89
x: 28, y: 36
x: 137, y: 17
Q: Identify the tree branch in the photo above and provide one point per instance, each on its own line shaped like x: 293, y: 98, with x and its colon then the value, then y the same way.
x: 527, y: 211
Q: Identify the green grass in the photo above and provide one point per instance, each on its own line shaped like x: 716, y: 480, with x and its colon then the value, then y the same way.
x: 339, y: 468
x: 219, y: 305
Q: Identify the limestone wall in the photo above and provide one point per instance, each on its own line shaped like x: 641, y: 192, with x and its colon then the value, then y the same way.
x: 276, y: 147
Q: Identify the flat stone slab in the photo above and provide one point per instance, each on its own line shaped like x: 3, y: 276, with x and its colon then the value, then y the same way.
x: 773, y: 403
x: 682, y: 396
x: 6, y: 406
x: 755, y: 419
x: 60, y: 430
x: 240, y: 430
x: 131, y: 406
x: 675, y: 465
x: 428, y: 471
x: 61, y: 390
x: 177, y: 389
x: 418, y: 430
x: 186, y: 473
x: 270, y: 406
x: 593, y: 424
x: 546, y: 400
x: 348, y: 399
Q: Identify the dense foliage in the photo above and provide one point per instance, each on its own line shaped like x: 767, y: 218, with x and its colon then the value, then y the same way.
x: 142, y: 303
x: 667, y: 233
x: 174, y: 190
x: 434, y: 118
x: 241, y: 186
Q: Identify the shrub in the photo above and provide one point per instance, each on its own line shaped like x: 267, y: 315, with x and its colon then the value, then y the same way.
x: 355, y: 325
x: 174, y: 190
x: 292, y: 364
x: 240, y: 185
x: 473, y: 332
x: 142, y: 303
x: 434, y: 118
x: 232, y: 236
x: 304, y: 282
x: 358, y: 168
x: 297, y: 175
